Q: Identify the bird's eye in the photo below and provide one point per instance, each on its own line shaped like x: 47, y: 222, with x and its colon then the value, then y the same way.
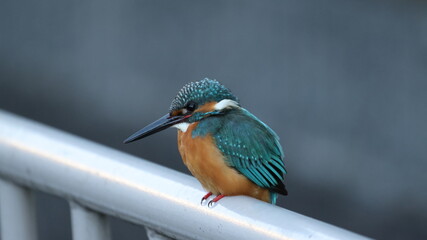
x: 190, y: 107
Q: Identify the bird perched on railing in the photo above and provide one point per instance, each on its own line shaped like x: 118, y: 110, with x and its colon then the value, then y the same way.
x: 229, y: 150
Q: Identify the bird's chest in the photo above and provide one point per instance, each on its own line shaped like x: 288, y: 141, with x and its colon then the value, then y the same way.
x: 202, y: 157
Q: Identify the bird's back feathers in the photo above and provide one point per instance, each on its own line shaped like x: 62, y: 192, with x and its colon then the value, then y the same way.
x: 249, y: 146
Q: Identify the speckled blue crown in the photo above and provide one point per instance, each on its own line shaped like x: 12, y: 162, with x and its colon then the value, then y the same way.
x: 201, y: 92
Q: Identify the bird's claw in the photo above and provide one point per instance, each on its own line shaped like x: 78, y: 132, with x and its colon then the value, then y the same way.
x: 212, y: 203
x: 205, y: 198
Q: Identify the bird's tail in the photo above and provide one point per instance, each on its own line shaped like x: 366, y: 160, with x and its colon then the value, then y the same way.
x: 273, y: 197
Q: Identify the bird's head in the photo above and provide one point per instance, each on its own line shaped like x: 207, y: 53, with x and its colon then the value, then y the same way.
x: 194, y: 102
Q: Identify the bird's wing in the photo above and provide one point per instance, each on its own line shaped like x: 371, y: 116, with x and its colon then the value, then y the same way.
x: 253, y: 149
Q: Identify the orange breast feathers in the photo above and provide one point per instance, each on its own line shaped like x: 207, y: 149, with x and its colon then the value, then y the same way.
x: 206, y: 162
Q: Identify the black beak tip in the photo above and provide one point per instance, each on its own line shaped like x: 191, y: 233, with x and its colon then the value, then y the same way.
x: 129, y: 140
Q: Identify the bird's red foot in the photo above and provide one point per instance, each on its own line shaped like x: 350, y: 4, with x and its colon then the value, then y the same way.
x: 215, y: 200
x: 204, y: 198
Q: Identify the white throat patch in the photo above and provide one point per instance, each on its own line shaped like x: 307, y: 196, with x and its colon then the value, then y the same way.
x: 226, y: 103
x: 182, y: 126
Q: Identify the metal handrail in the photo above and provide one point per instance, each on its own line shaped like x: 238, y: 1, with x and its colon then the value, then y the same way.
x: 106, y: 181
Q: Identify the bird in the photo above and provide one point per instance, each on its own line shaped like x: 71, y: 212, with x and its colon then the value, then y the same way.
x: 229, y: 150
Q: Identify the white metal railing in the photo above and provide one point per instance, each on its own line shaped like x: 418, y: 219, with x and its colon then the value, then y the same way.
x: 100, y: 181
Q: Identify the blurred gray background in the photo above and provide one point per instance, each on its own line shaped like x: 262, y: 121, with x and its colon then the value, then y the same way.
x: 343, y: 83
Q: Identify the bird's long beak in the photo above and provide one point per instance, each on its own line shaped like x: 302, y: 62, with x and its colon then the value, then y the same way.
x: 157, y: 126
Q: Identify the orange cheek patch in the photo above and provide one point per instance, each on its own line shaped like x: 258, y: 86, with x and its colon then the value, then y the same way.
x: 176, y: 113
x: 207, y: 107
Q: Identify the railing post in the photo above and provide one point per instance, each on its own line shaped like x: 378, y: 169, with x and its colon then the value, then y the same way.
x: 88, y: 225
x: 17, y: 212
x: 154, y: 235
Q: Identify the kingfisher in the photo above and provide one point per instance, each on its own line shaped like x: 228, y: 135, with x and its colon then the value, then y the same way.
x: 229, y: 150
